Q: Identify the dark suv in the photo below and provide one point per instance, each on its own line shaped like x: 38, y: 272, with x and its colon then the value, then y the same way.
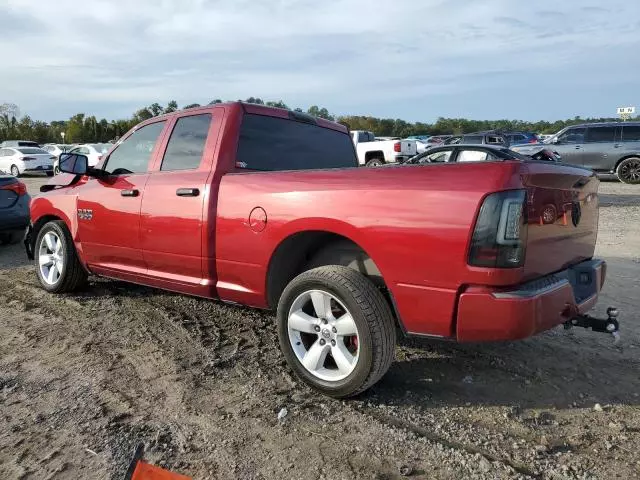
x: 603, y: 147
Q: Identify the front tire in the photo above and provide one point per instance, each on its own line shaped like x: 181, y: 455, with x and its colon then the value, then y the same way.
x: 628, y: 171
x: 15, y: 171
x: 57, y: 265
x: 336, y: 330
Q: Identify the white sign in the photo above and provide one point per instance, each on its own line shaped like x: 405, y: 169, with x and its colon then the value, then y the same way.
x: 626, y: 110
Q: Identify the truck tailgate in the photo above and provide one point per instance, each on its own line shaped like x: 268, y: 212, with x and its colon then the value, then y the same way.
x: 562, y: 212
x: 408, y: 147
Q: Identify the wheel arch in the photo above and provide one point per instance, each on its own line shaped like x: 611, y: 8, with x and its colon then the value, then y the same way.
x: 374, y: 154
x: 305, y: 249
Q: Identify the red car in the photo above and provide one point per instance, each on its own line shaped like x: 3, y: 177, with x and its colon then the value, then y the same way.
x: 267, y: 208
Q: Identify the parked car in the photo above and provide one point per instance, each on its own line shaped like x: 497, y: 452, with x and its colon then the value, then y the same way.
x: 607, y: 148
x: 478, y: 153
x: 493, y: 137
x: 19, y: 143
x: 57, y: 149
x: 477, y: 138
x: 93, y: 151
x: 14, y: 209
x: 520, y: 138
x: 372, y: 153
x: 19, y: 160
x: 266, y: 207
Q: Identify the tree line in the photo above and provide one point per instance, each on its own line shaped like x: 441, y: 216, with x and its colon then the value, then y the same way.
x: 82, y: 128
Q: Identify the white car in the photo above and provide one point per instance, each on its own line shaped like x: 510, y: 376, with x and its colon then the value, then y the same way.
x: 19, y: 160
x: 93, y: 151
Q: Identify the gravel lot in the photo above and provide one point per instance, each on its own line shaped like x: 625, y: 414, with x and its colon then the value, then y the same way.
x: 84, y: 378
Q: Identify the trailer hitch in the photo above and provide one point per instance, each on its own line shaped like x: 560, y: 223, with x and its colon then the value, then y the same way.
x: 610, y: 325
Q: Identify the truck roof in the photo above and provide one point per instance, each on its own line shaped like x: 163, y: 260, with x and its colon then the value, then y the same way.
x: 256, y: 109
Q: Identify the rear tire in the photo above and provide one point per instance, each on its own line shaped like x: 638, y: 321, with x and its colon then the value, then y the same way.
x: 375, y: 162
x: 628, y: 171
x: 49, y: 174
x: 15, y: 171
x: 55, y: 243
x: 369, y: 340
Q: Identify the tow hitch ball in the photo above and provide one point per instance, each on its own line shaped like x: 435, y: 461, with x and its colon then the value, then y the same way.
x: 610, y: 325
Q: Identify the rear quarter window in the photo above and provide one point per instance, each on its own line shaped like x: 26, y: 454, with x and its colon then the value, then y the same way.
x: 271, y: 144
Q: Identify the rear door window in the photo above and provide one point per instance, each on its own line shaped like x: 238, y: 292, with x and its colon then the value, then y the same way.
x: 186, y: 145
x: 271, y: 143
x: 631, y: 133
x: 601, y: 134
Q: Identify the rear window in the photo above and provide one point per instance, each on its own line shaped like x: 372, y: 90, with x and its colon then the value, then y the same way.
x: 631, y: 133
x: 32, y: 151
x: 270, y: 143
x: 601, y: 134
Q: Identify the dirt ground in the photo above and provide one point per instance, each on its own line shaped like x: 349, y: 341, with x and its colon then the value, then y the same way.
x: 85, y: 378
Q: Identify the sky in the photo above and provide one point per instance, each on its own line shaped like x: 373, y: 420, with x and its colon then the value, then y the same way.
x: 416, y: 60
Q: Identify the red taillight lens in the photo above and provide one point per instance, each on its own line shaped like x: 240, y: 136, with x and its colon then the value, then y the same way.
x: 27, y: 159
x: 533, y: 140
x: 18, y: 187
x: 397, y: 147
x: 500, y: 234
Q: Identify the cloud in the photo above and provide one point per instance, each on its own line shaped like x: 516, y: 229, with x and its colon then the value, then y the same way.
x: 352, y: 56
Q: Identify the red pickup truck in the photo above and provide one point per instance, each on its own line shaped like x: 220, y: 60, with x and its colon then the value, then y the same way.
x: 267, y: 208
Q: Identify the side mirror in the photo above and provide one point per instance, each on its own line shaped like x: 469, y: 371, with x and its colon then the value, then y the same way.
x: 73, y: 163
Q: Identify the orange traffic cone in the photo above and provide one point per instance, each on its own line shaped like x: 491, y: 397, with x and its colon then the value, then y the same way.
x: 139, y: 470
x: 541, y: 222
x: 564, y: 219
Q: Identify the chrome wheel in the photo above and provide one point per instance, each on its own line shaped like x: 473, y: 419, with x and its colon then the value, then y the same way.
x: 629, y: 171
x: 323, y: 335
x: 14, y: 171
x: 50, y: 258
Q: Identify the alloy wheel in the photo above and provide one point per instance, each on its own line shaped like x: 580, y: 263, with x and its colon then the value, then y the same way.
x: 50, y: 258
x: 323, y: 335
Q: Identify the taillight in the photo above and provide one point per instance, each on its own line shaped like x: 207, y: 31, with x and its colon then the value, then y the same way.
x: 500, y: 235
x: 99, y: 157
x: 27, y: 159
x: 533, y: 140
x: 18, y: 187
x: 397, y: 147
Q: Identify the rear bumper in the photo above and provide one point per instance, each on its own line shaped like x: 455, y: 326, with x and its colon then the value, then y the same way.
x: 39, y: 168
x: 489, y: 314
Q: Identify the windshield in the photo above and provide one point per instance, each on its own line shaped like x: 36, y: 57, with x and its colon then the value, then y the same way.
x: 32, y: 151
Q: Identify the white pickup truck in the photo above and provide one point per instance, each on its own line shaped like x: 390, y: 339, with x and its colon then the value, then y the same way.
x: 372, y: 152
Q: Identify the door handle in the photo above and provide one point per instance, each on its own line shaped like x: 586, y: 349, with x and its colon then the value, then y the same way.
x: 187, y: 192
x: 130, y: 193
x: 578, y: 147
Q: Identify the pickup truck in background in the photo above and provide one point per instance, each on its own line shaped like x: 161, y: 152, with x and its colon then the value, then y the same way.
x: 266, y: 207
x: 373, y: 153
